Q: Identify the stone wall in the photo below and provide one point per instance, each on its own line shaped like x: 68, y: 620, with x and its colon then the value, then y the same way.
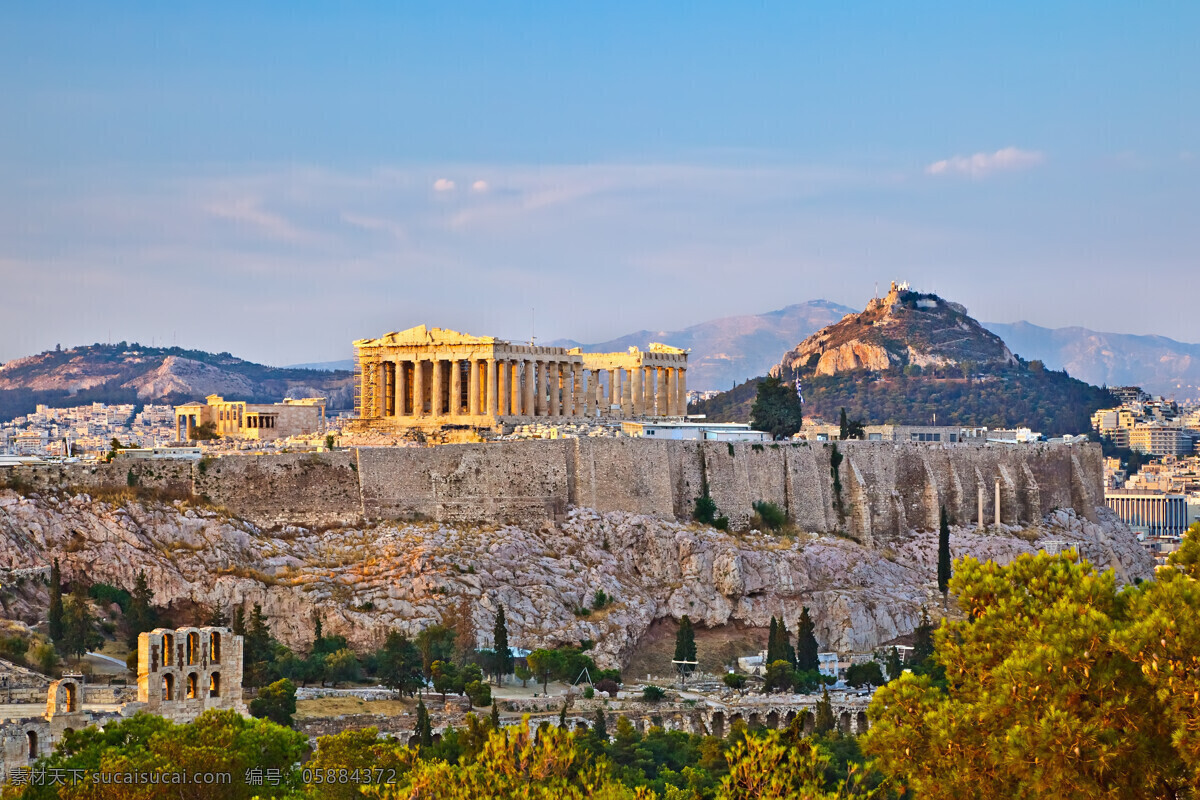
x: 887, y: 488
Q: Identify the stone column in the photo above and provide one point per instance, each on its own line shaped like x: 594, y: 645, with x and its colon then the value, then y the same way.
x: 473, y: 387
x: 435, y: 399
x: 380, y: 404
x: 981, y: 525
x: 589, y: 393
x: 997, y: 502
x: 600, y: 375
x: 514, y: 385
x: 502, y: 393
x: 614, y: 386
x: 455, y: 387
x: 401, y: 386
x: 539, y: 388
x: 637, y: 379
x: 627, y: 395
x: 663, y: 408
x: 493, y: 395
x: 419, y: 387
x: 683, y: 403
x: 555, y: 389
x: 577, y: 409
x: 672, y: 391
x: 530, y: 374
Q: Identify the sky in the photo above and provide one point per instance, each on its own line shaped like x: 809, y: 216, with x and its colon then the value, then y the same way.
x: 279, y: 179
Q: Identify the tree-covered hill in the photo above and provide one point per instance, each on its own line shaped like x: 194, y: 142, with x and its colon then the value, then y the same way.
x: 996, y: 396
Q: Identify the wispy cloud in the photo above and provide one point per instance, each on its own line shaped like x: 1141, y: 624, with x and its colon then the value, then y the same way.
x: 249, y: 211
x: 443, y: 185
x: 982, y: 164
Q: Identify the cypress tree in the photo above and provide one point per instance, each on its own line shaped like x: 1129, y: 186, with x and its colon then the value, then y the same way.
x: 806, y: 643
x: 600, y: 728
x: 685, y: 644
x: 495, y: 716
x: 844, y: 433
x: 504, y: 657
x: 773, y: 651
x: 424, y: 730
x: 923, y: 639
x: 56, y: 604
x: 785, y: 644
x: 239, y: 621
x: 218, y: 618
x: 894, y: 667
x: 943, y: 567
x: 79, y: 635
x: 824, y: 722
x: 141, y: 617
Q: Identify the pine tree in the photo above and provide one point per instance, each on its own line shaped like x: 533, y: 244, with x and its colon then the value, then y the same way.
x: 239, y: 621
x: 806, y: 643
x: 424, y: 731
x: 894, y: 667
x: 923, y: 639
x: 56, y: 604
x: 824, y: 722
x: 785, y: 644
x: 504, y: 657
x: 777, y: 409
x: 943, y: 567
x: 218, y: 618
x: 600, y: 728
x: 685, y: 645
x: 141, y: 617
x: 773, y: 652
x: 318, y: 631
x: 79, y: 635
x: 495, y: 716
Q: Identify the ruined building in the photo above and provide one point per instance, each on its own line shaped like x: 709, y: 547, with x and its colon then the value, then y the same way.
x: 427, y: 378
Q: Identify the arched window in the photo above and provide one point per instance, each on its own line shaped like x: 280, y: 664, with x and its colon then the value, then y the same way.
x: 192, y: 681
x: 168, y: 687
x: 72, y: 700
x: 214, y: 642
x: 33, y: 743
x: 214, y: 685
x: 193, y: 648
x: 168, y: 649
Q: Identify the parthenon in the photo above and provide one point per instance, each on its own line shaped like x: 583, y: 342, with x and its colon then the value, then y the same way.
x: 429, y: 377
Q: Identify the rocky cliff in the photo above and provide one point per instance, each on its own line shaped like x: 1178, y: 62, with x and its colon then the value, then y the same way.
x: 368, y: 579
x: 903, y: 328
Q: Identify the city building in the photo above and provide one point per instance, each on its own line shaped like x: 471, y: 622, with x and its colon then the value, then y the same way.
x: 1151, y: 513
x: 711, y: 431
x: 425, y: 378
x: 258, y: 421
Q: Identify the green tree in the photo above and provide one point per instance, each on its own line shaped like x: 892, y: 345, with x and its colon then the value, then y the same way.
x: 706, y: 509
x: 141, y: 617
x: 56, y: 625
x: 894, y: 667
x: 943, y: 568
x: 495, y: 717
x: 777, y: 409
x: 276, y: 702
x: 504, y: 657
x: 545, y: 664
x: 79, y: 627
x: 734, y: 681
x: 868, y: 674
x: 436, y: 643
x: 824, y: 722
x: 780, y: 677
x: 851, y: 428
x: 399, y: 664
x: 771, y: 768
x: 523, y: 673
x: 342, y: 667
x: 922, y: 640
x: 423, y: 730
x: 685, y: 645
x: 806, y: 643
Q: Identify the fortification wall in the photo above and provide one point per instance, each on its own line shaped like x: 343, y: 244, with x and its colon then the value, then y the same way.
x: 887, y: 488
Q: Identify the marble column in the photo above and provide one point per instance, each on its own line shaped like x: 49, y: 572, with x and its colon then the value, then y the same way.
x: 473, y: 387
x: 530, y: 376
x: 435, y: 398
x: 600, y: 376
x: 627, y: 394
x: 577, y: 390
x: 514, y: 385
x: 493, y: 394
x: 589, y: 393
x: 662, y: 408
x: 419, y: 387
x: 555, y: 389
x: 683, y: 402
x: 997, y: 502
x: 614, y: 386
x: 539, y: 388
x: 503, y: 395
x: 637, y: 379
x: 455, y: 387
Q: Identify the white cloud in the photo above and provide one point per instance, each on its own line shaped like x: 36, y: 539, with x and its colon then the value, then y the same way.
x: 981, y: 164
x: 479, y: 186
x: 443, y: 185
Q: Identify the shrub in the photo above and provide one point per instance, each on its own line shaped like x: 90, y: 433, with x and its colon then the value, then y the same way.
x: 653, y: 694
x: 734, y: 681
x: 479, y: 692
x: 721, y: 523
x: 588, y: 693
x: 771, y: 515
x: 600, y: 599
x: 107, y: 593
x: 706, y: 509
x: 607, y: 685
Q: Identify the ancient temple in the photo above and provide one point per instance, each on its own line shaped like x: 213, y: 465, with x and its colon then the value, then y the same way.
x: 431, y: 377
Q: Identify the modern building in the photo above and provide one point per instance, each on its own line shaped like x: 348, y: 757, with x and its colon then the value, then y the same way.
x: 710, y: 431
x: 1150, y: 513
x: 1160, y: 440
x: 259, y: 421
x: 432, y: 378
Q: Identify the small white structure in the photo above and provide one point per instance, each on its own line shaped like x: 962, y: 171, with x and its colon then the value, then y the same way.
x: 174, y: 453
x: 827, y: 664
x: 710, y: 431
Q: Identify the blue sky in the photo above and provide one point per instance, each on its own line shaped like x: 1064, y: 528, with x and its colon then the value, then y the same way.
x: 281, y: 180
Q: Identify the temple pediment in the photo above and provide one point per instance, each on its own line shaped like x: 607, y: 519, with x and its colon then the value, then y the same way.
x: 423, y: 336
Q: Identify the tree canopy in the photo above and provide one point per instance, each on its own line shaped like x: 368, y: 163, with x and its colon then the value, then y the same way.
x: 777, y: 409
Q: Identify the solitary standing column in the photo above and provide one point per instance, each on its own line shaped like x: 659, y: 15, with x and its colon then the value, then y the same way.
x: 683, y: 404
x: 554, y: 389
x: 627, y: 395
x: 493, y: 408
x: 663, y: 409
x: 997, y: 502
x: 455, y: 387
x: 419, y: 388
x: 981, y: 525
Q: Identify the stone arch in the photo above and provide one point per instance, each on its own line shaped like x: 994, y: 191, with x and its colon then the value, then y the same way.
x: 168, y: 648
x: 860, y: 722
x: 193, y: 648
x: 755, y: 720
x: 214, y: 685
x: 718, y: 724
x: 193, y: 686
x: 168, y: 687
x: 808, y: 723
x: 844, y: 722
x: 772, y: 719
x: 68, y: 731
x: 32, y: 739
x: 214, y: 647
x: 581, y: 727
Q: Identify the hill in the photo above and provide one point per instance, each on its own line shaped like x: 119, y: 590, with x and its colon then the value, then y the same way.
x: 911, y: 358
x: 133, y: 373
x: 731, y: 349
x: 1159, y: 365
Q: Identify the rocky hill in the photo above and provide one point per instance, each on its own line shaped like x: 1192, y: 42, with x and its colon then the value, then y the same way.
x: 133, y: 373
x: 368, y: 580
x: 901, y: 329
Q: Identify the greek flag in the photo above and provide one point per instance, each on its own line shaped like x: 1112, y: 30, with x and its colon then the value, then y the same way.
x: 799, y: 392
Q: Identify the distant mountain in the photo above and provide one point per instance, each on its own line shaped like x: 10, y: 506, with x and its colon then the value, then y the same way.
x: 913, y: 358
x: 729, y: 350
x: 345, y: 365
x: 133, y: 373
x: 1159, y: 365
